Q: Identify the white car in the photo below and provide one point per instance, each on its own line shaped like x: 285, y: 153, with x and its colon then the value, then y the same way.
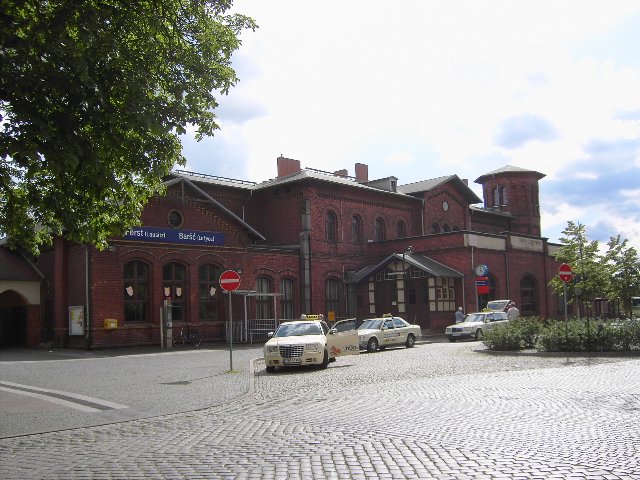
x: 387, y: 331
x: 474, y: 325
x: 307, y: 342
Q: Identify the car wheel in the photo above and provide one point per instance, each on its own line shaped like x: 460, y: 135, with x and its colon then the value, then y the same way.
x: 271, y: 369
x: 411, y: 341
x: 479, y: 334
x: 372, y: 346
x: 325, y: 360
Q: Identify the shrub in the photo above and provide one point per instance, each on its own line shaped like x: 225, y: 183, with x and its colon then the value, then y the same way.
x: 590, y: 336
x: 514, y: 335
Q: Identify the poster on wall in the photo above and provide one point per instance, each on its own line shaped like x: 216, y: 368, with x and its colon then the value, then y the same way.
x: 76, y: 320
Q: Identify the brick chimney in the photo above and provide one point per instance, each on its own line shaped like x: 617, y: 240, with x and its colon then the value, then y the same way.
x: 465, y: 181
x: 362, y: 172
x: 287, y: 166
x: 341, y: 173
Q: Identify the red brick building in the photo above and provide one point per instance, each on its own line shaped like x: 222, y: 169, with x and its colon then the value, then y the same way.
x: 305, y: 242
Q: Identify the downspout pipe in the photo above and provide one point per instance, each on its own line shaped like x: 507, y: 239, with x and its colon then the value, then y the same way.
x: 87, y: 293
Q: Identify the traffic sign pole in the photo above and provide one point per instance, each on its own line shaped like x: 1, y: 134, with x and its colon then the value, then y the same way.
x: 231, y: 334
x: 229, y: 282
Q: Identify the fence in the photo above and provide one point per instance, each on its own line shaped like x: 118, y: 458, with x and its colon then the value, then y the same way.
x: 250, y: 330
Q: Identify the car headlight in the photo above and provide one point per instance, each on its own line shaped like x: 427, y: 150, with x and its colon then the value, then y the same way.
x: 313, y: 347
x: 448, y: 330
x: 272, y: 349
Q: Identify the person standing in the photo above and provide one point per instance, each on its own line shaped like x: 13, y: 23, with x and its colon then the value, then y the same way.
x: 513, y: 312
x: 459, y: 315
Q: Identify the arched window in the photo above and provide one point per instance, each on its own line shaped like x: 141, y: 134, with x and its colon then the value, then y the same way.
x: 331, y: 225
x: 445, y: 228
x: 379, y: 231
x: 528, y: 296
x: 208, y: 292
x: 332, y: 296
x: 356, y: 229
x: 496, y: 197
x: 136, y: 292
x: 264, y: 303
x: 174, y: 282
x: 503, y: 196
x: 402, y: 229
x: 435, y: 228
x: 287, y: 303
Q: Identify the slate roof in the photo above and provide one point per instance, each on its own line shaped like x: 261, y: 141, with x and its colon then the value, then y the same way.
x: 421, y: 262
x: 427, y: 185
x: 508, y: 169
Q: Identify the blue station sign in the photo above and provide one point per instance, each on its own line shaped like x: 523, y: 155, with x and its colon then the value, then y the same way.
x: 170, y: 235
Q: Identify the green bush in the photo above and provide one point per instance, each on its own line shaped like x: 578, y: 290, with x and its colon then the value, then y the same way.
x: 590, y: 336
x: 559, y: 336
x: 514, y: 335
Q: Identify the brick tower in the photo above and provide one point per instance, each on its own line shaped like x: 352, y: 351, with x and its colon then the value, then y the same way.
x: 514, y: 190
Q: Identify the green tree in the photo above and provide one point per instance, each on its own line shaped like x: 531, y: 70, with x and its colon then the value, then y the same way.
x: 93, y: 98
x: 623, y: 272
x: 583, y: 256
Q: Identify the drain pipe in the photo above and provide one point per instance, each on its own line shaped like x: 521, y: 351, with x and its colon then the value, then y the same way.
x: 87, y: 297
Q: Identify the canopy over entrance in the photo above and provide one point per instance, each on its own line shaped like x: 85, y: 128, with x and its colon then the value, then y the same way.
x: 426, y: 264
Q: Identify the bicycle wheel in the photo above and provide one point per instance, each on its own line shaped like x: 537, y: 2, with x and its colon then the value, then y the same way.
x: 178, y: 340
x: 195, y: 339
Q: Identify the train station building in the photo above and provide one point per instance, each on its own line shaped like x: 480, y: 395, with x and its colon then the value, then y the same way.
x: 306, y: 241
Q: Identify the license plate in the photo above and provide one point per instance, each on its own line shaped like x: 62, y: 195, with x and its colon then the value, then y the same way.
x: 457, y: 334
x: 292, y: 361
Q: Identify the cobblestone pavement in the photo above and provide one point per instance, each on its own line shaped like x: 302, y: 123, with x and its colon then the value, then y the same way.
x: 442, y: 411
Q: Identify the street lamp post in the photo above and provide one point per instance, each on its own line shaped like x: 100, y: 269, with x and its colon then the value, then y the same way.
x: 407, y: 251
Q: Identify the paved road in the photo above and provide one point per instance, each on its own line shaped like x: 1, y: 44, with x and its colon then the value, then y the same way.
x: 444, y: 411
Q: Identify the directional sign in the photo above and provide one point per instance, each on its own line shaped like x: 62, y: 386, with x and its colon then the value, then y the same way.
x: 565, y: 273
x: 229, y: 280
x: 482, y: 285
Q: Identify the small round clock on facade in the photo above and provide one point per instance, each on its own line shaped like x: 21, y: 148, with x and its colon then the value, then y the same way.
x: 445, y: 206
x: 481, y: 270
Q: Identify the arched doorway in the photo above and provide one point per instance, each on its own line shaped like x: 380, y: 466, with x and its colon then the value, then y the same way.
x: 13, y: 320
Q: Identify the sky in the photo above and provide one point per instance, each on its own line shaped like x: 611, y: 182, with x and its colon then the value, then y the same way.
x: 422, y: 89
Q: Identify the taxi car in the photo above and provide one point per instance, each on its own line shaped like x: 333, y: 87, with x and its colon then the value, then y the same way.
x: 308, y: 341
x: 475, y: 324
x: 387, y: 331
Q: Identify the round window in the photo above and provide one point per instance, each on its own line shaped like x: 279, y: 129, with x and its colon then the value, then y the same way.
x: 175, y: 219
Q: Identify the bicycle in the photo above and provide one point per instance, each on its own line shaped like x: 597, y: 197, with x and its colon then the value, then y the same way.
x: 193, y: 338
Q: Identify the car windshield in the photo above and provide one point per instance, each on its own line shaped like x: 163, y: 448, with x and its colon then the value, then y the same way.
x: 475, y: 317
x: 372, y: 324
x: 296, y: 329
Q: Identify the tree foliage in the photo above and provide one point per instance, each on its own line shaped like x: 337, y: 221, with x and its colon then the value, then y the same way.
x: 93, y: 97
x: 612, y: 274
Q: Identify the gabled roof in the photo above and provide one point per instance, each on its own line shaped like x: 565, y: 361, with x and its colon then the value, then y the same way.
x: 431, y: 184
x: 17, y: 267
x: 187, y: 179
x: 509, y: 169
x: 421, y: 262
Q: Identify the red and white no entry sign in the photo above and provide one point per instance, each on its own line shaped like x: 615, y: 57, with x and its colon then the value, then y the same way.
x: 229, y: 280
x: 565, y: 273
